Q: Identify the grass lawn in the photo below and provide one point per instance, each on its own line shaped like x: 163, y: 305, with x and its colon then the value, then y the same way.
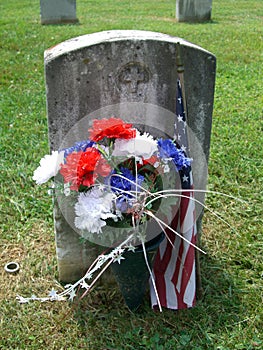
x: 230, y: 313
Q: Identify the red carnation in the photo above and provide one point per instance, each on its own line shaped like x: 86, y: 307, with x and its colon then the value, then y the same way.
x: 83, y: 168
x: 111, y: 128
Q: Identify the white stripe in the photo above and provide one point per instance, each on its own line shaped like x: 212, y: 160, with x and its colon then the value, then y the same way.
x: 171, y: 297
x: 189, y: 294
x: 189, y: 220
x: 188, y: 235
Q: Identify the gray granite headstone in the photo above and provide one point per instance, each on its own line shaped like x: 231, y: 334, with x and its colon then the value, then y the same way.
x: 58, y: 11
x: 193, y: 10
x: 125, y: 73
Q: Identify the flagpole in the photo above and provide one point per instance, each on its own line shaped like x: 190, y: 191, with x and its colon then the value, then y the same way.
x: 180, y: 73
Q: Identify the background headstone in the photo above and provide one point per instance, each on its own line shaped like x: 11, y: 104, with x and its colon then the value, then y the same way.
x: 193, y: 10
x: 58, y: 11
x: 123, y: 73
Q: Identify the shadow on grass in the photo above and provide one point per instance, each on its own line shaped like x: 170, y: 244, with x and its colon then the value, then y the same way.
x: 196, y: 23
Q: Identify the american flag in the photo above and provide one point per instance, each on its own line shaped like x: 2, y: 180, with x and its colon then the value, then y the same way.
x: 174, y: 265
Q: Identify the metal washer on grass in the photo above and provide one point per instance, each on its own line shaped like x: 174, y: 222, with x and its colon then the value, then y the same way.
x: 12, y: 267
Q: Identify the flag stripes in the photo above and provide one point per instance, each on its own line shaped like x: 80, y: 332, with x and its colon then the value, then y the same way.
x: 174, y: 265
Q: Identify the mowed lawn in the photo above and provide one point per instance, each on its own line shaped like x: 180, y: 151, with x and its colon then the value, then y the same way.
x: 229, y: 315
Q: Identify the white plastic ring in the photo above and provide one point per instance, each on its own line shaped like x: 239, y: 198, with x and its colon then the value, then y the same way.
x: 12, y: 267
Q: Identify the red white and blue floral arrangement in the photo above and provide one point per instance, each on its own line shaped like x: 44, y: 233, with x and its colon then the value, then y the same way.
x: 116, y: 177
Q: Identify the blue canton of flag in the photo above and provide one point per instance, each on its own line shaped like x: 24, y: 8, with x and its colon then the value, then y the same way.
x: 180, y: 135
x: 180, y: 125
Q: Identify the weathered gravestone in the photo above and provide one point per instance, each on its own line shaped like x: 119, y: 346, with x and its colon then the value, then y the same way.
x: 193, y: 10
x: 123, y: 73
x: 58, y: 11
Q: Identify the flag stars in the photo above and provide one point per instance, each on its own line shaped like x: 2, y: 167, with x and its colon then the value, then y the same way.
x: 183, y: 148
x: 185, y: 178
x: 180, y: 118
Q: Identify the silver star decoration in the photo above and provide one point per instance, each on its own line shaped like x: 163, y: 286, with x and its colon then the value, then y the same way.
x: 85, y: 285
x: 72, y: 295
x: 53, y: 293
x: 130, y: 248
x: 118, y: 258
x: 22, y: 300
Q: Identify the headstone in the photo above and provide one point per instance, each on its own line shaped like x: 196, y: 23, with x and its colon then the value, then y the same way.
x: 58, y: 11
x: 123, y: 73
x: 193, y: 10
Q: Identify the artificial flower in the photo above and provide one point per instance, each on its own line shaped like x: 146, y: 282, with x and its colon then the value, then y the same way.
x: 83, y: 168
x: 108, y: 187
x: 141, y: 146
x: 49, y: 167
x: 111, y: 128
x: 93, y: 208
x: 124, y: 183
x: 169, y: 151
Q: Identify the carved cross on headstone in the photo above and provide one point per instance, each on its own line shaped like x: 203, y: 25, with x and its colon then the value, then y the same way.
x: 133, y: 74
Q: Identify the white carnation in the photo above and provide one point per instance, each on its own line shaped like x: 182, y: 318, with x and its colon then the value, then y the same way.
x: 92, y: 208
x: 49, y: 167
x: 141, y: 146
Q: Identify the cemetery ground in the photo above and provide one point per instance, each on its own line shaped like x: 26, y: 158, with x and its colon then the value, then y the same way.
x: 229, y: 314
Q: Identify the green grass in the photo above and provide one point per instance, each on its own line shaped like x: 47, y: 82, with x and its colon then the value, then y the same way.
x: 230, y: 313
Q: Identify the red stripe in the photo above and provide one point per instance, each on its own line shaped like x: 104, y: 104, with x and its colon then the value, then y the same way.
x: 187, y: 271
x: 161, y: 264
x: 160, y: 280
